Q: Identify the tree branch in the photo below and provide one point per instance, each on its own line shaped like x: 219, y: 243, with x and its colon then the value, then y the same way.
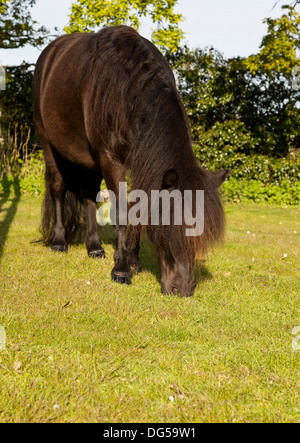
x: 293, y: 4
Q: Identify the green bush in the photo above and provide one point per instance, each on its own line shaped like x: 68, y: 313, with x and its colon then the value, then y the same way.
x: 266, y: 169
x: 256, y: 179
x: 230, y: 137
x: 216, y: 90
x: 30, y: 180
x: 256, y: 191
x: 17, y: 100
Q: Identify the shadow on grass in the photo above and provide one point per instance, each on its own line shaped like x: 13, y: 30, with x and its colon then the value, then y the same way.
x: 149, y: 259
x: 11, y: 194
x: 202, y: 273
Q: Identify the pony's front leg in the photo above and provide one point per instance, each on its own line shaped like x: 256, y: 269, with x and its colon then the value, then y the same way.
x: 93, y: 245
x: 128, y: 254
x: 114, y: 174
x: 121, y: 272
x: 133, y: 242
x: 91, y: 182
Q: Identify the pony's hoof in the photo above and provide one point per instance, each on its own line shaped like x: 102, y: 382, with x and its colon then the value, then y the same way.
x: 97, y: 254
x: 121, y: 279
x: 59, y: 248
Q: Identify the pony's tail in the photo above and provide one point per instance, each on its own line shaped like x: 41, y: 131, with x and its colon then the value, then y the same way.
x: 73, y: 217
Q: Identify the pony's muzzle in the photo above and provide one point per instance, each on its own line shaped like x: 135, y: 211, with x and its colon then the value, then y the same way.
x: 187, y: 291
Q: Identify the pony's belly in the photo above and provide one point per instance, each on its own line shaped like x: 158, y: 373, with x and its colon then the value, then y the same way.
x: 70, y: 141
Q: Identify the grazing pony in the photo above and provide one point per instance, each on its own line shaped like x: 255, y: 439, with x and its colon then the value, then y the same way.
x: 106, y: 104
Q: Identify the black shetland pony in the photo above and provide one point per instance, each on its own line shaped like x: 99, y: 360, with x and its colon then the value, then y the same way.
x: 107, y: 104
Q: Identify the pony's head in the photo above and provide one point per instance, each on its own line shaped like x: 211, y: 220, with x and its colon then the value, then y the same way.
x: 177, y: 244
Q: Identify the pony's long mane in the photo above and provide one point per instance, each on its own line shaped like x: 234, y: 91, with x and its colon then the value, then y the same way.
x: 139, y: 116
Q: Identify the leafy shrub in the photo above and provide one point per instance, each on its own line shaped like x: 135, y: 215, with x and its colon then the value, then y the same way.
x: 17, y: 99
x: 250, y: 167
x: 216, y: 90
x: 30, y: 179
x: 231, y: 137
x: 258, y: 192
x: 14, y: 149
x: 32, y: 176
x: 257, y: 178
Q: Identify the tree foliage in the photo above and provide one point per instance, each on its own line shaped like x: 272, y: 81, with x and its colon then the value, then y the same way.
x: 293, y: 4
x: 88, y: 15
x: 280, y: 48
x: 17, y: 100
x: 246, y: 104
x: 17, y: 28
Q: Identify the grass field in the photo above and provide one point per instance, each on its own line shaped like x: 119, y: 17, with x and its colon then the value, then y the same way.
x: 82, y: 349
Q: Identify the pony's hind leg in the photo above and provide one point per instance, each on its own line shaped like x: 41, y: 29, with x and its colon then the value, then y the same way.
x: 53, y: 229
x: 58, y: 189
x: 91, y: 186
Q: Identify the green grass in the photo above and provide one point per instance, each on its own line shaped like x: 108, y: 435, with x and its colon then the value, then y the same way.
x: 82, y: 349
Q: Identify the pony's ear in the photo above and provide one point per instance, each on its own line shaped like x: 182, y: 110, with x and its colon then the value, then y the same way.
x: 170, y: 180
x: 220, y: 177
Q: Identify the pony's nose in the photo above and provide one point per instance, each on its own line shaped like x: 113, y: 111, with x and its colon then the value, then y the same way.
x: 187, y: 291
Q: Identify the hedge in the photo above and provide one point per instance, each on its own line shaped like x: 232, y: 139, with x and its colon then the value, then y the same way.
x: 256, y: 178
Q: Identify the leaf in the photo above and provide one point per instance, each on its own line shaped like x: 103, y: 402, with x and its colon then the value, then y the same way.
x: 17, y: 366
x: 246, y: 370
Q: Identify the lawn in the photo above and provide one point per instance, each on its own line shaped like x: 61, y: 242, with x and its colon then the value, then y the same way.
x: 80, y: 348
